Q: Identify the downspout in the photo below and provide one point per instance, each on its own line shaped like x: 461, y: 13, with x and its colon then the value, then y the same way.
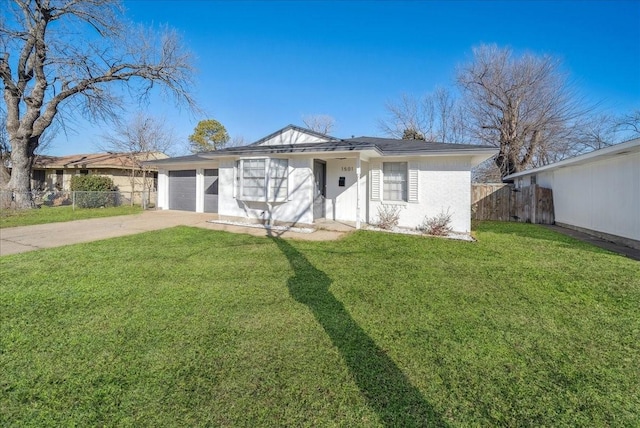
x: 358, y: 192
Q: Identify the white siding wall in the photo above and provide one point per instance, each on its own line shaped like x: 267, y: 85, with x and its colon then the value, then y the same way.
x: 199, y: 190
x: 226, y: 188
x: 545, y: 179
x: 297, y: 209
x: 443, y: 184
x: 292, y: 136
x: 163, y: 189
x: 603, y: 196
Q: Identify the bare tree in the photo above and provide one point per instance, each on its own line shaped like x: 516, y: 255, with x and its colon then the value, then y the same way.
x: 602, y: 130
x: 321, y: 123
x: 592, y: 133
x: 5, y: 152
x: 437, y: 116
x: 238, y: 141
x: 5, y: 148
x: 523, y: 105
x: 409, y: 114
x: 629, y: 124
x: 142, y: 138
x: 65, y: 56
x: 486, y: 172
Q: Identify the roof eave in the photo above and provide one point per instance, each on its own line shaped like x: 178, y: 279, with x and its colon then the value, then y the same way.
x: 466, y: 152
x: 276, y: 152
x: 617, y: 149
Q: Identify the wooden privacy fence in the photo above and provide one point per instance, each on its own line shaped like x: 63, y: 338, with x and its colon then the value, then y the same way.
x: 532, y: 204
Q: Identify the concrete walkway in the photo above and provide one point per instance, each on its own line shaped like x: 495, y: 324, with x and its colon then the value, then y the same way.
x: 632, y: 253
x: 15, y: 240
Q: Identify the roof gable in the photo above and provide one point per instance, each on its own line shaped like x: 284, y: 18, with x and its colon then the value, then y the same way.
x: 292, y: 135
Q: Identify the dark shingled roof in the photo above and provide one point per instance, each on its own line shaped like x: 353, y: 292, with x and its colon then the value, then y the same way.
x: 384, y: 146
x: 392, y: 146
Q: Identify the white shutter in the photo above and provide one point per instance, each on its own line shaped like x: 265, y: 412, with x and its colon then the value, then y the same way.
x: 412, y: 191
x: 376, y: 181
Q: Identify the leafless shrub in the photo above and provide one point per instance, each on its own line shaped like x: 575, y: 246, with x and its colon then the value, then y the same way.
x: 439, y: 225
x: 388, y: 216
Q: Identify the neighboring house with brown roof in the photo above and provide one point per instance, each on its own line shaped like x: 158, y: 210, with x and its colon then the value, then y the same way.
x: 55, y: 172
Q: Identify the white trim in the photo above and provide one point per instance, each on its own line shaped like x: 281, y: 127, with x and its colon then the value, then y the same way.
x: 199, y: 190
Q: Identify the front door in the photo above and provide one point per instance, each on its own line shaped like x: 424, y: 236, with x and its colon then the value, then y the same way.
x: 320, y: 189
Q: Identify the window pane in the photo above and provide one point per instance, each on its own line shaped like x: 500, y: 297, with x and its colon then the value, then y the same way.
x: 278, y: 179
x: 253, y: 179
x: 395, y: 181
x: 256, y: 185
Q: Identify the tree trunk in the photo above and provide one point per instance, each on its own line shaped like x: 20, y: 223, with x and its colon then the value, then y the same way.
x: 5, y: 195
x: 507, y: 163
x: 133, y: 184
x: 21, y: 165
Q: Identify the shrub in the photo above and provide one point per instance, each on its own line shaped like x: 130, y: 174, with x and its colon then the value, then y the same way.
x: 388, y: 216
x: 93, y: 191
x: 439, y: 225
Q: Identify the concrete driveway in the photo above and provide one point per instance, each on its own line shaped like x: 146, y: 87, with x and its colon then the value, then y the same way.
x: 15, y: 240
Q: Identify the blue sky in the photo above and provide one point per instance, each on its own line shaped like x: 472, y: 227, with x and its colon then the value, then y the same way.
x: 263, y: 65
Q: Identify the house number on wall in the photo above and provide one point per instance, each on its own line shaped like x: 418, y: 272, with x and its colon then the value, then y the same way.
x: 347, y: 168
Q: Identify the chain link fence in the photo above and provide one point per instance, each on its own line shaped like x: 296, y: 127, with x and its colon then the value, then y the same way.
x: 81, y: 199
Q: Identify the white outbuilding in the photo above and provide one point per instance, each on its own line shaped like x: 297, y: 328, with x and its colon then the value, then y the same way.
x: 597, y: 192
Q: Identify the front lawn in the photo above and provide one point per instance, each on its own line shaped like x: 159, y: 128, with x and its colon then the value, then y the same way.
x: 44, y: 214
x: 190, y: 327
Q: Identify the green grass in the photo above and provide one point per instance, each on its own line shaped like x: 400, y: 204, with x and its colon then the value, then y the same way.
x: 189, y: 327
x: 44, y: 214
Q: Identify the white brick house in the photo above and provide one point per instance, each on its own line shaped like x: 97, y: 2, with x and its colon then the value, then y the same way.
x: 297, y: 176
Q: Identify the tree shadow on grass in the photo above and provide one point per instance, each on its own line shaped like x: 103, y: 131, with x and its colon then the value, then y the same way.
x: 386, y: 389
